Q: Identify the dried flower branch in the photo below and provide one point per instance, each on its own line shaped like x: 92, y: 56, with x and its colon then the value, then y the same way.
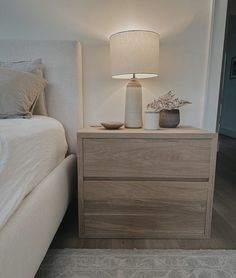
x: 167, y: 101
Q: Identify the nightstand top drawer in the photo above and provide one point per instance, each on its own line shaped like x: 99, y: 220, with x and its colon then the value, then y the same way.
x: 147, y: 158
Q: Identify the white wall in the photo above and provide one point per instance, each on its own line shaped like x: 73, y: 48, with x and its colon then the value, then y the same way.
x: 184, y: 26
x: 209, y: 118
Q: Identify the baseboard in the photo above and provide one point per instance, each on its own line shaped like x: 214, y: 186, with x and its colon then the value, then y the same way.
x: 228, y: 132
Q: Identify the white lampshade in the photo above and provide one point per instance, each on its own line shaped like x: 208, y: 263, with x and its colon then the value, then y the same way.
x: 134, y: 52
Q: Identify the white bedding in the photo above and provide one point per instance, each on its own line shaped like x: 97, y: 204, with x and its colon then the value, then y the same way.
x: 29, y: 150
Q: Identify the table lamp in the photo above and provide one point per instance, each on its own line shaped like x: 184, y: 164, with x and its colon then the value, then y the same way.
x: 134, y: 55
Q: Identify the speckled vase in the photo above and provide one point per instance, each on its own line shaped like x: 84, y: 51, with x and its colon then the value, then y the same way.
x: 169, y: 118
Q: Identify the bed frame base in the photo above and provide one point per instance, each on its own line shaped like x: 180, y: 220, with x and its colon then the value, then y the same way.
x: 25, y: 239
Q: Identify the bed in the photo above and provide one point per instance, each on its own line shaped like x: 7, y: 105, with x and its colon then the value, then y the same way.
x: 31, y: 214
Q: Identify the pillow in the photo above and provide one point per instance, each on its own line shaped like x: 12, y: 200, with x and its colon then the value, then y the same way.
x: 19, y: 92
x: 35, y: 67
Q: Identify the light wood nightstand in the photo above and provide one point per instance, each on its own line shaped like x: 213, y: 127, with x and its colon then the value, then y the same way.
x: 135, y: 183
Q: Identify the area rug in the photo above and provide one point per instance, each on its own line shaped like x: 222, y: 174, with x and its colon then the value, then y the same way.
x: 94, y: 263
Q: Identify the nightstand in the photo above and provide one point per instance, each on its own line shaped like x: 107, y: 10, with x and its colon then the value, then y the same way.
x: 135, y: 183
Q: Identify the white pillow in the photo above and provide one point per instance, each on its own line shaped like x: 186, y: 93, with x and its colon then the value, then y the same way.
x: 35, y: 67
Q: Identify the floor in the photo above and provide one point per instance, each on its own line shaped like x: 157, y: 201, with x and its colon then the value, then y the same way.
x: 223, y: 223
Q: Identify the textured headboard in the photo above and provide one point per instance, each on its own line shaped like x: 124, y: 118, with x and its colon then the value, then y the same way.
x: 63, y: 70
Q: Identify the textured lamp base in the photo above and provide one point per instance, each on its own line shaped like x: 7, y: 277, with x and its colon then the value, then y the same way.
x: 133, y: 105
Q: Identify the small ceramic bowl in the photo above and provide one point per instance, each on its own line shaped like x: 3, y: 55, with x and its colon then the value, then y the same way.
x: 112, y: 125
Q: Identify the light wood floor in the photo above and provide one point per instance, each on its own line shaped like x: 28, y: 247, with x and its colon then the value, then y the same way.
x: 223, y: 224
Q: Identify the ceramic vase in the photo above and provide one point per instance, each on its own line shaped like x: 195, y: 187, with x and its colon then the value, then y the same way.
x: 151, y: 120
x: 169, y: 118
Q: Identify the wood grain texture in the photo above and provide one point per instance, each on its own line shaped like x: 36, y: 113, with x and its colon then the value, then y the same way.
x: 189, y: 225
x: 213, y: 156
x: 137, y: 183
x: 80, y: 186
x: 136, y: 209
x: 223, y: 235
x: 187, y: 131
x: 144, y: 197
x: 147, y: 158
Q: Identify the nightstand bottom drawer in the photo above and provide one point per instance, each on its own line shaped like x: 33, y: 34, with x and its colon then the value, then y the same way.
x: 144, y: 226
x: 144, y: 209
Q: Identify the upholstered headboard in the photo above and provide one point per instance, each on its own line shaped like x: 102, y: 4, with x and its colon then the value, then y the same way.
x: 63, y: 70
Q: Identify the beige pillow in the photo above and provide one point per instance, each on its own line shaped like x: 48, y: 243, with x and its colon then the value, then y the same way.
x: 36, y: 67
x: 19, y: 92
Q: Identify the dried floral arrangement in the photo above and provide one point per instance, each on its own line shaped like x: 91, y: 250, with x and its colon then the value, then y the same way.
x: 167, y: 102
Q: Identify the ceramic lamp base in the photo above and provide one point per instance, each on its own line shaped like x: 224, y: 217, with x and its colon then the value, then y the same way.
x: 133, y: 105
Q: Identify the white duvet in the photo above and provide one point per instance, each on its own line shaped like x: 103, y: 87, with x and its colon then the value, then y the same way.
x: 29, y: 150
